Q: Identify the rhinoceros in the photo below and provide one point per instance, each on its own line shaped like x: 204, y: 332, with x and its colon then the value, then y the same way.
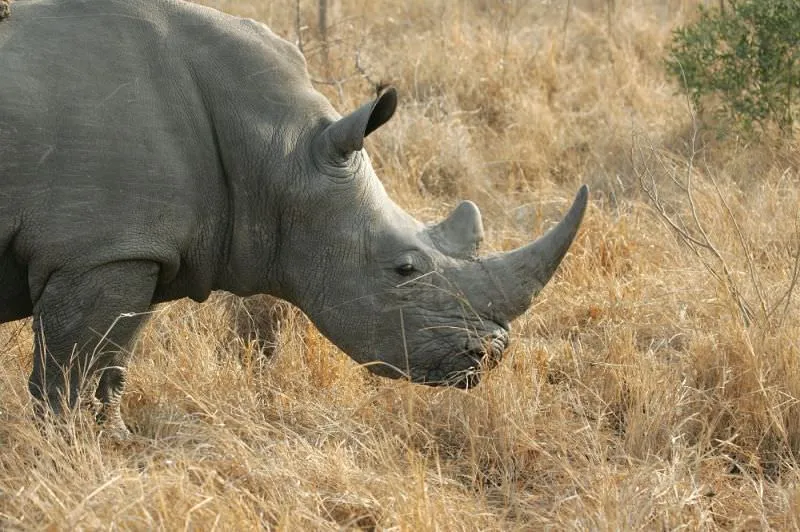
x: 156, y: 150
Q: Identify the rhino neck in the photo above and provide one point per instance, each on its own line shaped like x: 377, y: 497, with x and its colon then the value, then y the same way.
x: 256, y: 96
x: 248, y: 252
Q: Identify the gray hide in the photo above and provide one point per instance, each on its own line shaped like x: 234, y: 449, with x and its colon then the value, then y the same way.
x: 154, y: 150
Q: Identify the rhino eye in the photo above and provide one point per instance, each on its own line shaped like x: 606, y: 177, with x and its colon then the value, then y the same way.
x: 405, y: 269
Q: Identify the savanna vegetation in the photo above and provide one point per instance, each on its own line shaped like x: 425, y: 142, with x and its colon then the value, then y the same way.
x: 655, y: 384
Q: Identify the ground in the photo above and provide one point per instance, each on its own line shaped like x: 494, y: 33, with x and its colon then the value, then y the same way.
x: 653, y: 385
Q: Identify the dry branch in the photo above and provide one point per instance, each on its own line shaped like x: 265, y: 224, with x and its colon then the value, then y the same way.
x: 695, y: 225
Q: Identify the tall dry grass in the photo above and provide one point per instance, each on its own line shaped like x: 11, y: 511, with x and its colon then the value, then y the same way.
x: 637, y: 393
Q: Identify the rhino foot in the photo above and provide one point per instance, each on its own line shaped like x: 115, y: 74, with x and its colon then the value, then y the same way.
x: 117, y: 434
x: 111, y: 425
x: 5, y: 9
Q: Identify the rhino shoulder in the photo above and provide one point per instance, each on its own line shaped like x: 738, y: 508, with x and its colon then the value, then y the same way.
x: 239, y: 47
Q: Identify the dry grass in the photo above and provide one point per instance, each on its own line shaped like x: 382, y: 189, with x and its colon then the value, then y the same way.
x: 635, y: 394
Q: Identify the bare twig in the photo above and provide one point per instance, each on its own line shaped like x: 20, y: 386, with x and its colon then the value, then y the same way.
x: 695, y: 228
x: 754, y: 279
x: 298, y: 28
x: 511, y: 11
x: 787, y: 295
x: 323, y: 34
x: 378, y: 84
x: 564, y: 28
x: 695, y: 235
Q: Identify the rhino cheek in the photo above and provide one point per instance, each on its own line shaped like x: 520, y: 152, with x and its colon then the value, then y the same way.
x: 370, y: 337
x: 428, y: 338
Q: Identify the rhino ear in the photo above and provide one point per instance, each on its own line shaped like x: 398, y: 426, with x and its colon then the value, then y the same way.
x: 460, y: 234
x: 347, y: 134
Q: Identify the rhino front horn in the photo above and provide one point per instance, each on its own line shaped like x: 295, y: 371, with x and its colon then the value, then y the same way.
x: 519, y: 275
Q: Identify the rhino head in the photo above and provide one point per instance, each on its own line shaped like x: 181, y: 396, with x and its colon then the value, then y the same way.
x: 405, y: 299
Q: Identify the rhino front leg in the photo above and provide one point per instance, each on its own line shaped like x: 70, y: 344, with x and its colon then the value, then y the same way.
x: 83, y: 323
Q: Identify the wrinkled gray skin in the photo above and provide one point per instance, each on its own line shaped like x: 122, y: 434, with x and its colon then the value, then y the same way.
x: 159, y: 150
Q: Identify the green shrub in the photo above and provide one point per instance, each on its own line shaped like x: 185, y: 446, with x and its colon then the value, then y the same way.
x: 748, y: 56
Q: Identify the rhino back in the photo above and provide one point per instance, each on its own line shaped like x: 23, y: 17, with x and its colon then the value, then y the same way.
x: 110, y: 146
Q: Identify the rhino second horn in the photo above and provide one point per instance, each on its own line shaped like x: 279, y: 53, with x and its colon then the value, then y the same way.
x: 460, y: 234
x: 519, y: 275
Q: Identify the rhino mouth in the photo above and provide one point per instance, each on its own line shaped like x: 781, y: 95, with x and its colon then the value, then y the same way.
x: 472, y: 362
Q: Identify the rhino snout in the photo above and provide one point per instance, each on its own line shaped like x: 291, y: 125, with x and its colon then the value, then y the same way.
x: 489, y: 349
x: 464, y: 369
